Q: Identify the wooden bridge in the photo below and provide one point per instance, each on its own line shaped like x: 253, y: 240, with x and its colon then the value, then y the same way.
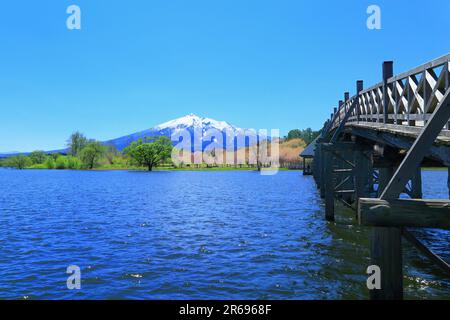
x: 371, y: 151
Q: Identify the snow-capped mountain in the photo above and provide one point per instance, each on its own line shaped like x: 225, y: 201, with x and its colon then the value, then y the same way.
x: 192, y: 120
x: 198, y: 127
x: 191, y: 123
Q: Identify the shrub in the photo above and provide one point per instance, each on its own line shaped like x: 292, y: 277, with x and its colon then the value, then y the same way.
x: 61, y: 162
x: 50, y: 163
x: 73, y: 163
x: 20, y: 161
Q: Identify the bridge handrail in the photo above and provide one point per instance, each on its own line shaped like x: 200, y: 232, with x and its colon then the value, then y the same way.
x: 408, y: 98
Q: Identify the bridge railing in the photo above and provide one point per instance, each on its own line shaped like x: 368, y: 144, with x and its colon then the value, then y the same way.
x: 409, y: 98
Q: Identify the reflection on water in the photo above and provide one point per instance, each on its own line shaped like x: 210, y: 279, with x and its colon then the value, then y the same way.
x: 189, y: 235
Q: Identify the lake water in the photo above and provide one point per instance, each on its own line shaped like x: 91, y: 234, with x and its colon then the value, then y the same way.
x: 190, y: 235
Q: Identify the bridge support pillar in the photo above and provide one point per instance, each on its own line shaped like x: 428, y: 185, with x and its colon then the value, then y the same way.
x: 386, y: 253
x: 321, y: 171
x: 363, y: 173
x: 348, y: 156
x: 448, y: 182
x: 416, y: 184
x: 386, y: 250
x: 329, y: 185
x: 384, y: 176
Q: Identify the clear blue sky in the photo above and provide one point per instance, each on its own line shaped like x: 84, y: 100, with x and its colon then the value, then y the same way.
x: 257, y: 64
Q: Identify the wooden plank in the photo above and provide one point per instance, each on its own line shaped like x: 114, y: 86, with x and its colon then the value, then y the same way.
x: 438, y: 151
x: 343, y: 170
x: 409, y: 131
x: 404, y: 213
x: 340, y: 146
x: 345, y: 191
x: 419, y: 149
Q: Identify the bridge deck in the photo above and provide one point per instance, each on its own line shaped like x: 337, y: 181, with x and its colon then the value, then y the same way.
x: 401, y: 130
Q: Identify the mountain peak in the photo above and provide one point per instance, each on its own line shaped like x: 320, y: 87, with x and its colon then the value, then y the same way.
x: 189, y: 122
x: 194, y: 121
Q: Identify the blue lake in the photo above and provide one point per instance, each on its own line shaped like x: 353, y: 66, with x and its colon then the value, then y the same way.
x: 190, y: 235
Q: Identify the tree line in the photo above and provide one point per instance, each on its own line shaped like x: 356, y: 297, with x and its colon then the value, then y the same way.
x: 308, y: 135
x: 88, y: 154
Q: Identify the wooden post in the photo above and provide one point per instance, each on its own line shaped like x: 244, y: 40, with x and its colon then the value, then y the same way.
x: 304, y: 166
x: 322, y: 171
x: 329, y: 186
x: 416, y: 184
x: 346, y: 98
x: 359, y: 88
x: 386, y: 251
x: 363, y: 174
x: 388, y: 72
x: 384, y: 175
x: 448, y: 182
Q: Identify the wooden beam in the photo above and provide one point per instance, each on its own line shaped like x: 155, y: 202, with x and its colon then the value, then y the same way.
x: 419, y: 149
x: 363, y: 171
x: 386, y: 253
x: 416, y: 184
x: 427, y: 252
x: 344, y: 121
x: 440, y: 151
x: 404, y: 213
x: 448, y: 182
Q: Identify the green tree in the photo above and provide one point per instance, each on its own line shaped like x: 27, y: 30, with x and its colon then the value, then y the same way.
x: 73, y: 163
x: 76, y: 142
x: 50, y: 163
x: 55, y: 155
x: 308, y: 135
x: 91, y: 153
x: 20, y: 161
x: 37, y: 157
x: 150, y: 152
x: 294, y: 134
x: 61, y: 162
x: 111, y: 153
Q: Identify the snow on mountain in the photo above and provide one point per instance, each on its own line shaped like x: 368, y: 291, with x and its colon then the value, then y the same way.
x: 190, y: 122
x: 194, y: 121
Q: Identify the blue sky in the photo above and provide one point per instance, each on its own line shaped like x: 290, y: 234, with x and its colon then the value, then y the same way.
x: 256, y: 64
